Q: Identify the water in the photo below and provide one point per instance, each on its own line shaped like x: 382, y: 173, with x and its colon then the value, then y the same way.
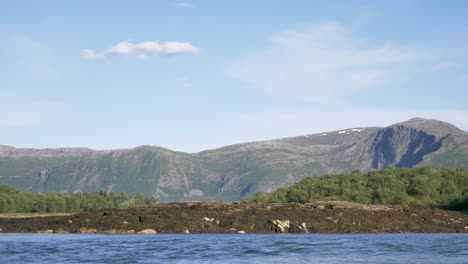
x: 392, y: 248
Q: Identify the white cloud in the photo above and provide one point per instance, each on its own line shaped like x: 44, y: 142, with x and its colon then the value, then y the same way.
x: 322, y: 63
x: 184, y: 5
x: 144, y: 49
x: 90, y: 54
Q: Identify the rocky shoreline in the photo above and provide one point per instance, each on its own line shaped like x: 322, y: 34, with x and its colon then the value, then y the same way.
x: 241, y: 218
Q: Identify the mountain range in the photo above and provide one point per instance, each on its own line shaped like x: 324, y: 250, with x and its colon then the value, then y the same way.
x: 235, y: 171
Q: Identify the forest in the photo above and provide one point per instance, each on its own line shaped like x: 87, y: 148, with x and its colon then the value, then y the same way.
x: 13, y: 201
x: 421, y: 187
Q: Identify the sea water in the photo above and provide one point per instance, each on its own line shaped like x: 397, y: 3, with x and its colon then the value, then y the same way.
x: 217, y: 248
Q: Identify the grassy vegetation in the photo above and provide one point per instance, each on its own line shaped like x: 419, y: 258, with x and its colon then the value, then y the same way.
x: 423, y: 187
x: 450, y: 160
x: 13, y: 201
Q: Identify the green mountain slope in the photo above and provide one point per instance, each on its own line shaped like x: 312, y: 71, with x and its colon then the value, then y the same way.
x: 235, y: 171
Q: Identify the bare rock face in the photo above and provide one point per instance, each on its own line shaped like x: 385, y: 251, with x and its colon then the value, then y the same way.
x: 402, y: 146
x: 232, y: 172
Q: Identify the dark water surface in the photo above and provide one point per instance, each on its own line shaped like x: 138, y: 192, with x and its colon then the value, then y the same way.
x: 397, y: 248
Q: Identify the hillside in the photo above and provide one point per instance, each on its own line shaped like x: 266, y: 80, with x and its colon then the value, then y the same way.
x: 236, y: 171
x: 420, y: 187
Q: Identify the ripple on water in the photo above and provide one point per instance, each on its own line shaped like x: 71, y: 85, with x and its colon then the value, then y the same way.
x: 401, y: 248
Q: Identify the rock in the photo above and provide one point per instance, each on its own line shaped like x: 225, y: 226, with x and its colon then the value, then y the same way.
x: 298, y: 228
x: 248, y: 217
x: 61, y: 231
x: 47, y: 231
x: 85, y: 230
x: 208, y: 219
x: 70, y: 221
x: 147, y: 232
x: 241, y: 232
x: 349, y: 205
x: 281, y: 226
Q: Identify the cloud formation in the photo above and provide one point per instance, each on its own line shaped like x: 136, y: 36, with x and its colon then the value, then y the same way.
x: 322, y: 63
x: 144, y: 49
x: 184, y: 5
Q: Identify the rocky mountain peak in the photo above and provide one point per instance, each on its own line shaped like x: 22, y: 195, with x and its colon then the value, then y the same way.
x: 431, y: 126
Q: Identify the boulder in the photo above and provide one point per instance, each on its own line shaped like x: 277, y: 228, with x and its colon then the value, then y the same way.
x: 147, y: 232
x: 279, y: 226
x: 85, y: 230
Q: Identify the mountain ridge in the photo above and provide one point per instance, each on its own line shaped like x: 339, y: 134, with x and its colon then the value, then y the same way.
x: 234, y: 171
x: 410, y: 122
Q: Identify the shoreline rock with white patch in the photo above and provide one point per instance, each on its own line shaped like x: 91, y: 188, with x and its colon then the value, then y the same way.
x: 203, y: 217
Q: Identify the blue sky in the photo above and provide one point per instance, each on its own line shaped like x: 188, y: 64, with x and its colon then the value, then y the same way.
x: 194, y: 75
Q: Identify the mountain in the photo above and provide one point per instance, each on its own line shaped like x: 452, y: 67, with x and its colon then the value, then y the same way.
x: 235, y: 171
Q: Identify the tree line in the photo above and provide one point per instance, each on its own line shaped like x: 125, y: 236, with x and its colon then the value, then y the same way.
x: 422, y: 186
x: 13, y: 201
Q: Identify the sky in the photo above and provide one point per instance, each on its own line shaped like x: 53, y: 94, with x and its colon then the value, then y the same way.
x: 195, y: 75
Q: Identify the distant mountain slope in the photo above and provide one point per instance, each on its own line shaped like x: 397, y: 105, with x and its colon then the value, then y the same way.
x: 235, y: 171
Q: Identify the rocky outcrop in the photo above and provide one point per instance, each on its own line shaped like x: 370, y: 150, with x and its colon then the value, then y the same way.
x: 241, y: 218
